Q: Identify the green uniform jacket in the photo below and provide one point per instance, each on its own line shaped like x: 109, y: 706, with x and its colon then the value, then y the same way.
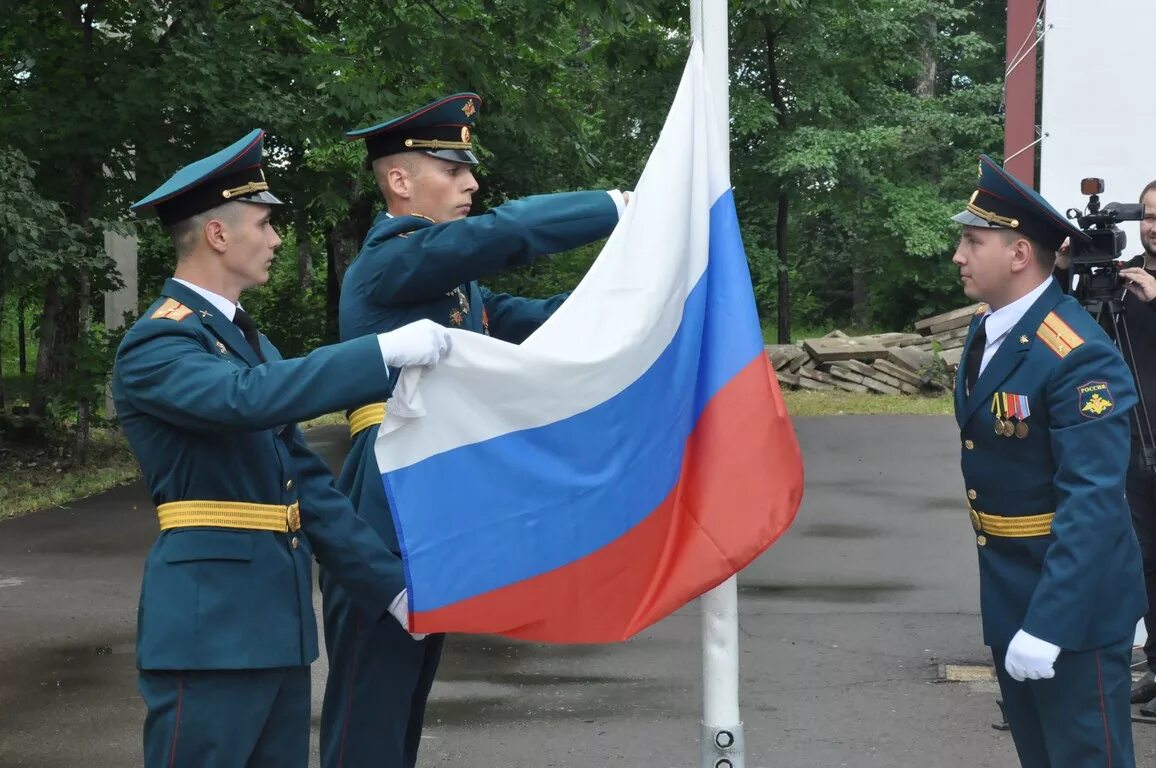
x: 1078, y: 584
x: 208, y: 422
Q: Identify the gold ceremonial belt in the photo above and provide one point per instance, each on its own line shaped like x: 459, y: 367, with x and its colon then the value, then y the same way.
x: 365, y: 417
x: 1012, y: 527
x: 282, y: 518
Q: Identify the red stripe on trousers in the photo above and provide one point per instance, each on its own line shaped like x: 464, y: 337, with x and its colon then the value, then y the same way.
x: 177, y: 725
x: 1103, y: 710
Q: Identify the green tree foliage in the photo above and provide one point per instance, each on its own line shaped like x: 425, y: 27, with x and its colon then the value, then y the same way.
x: 855, y: 129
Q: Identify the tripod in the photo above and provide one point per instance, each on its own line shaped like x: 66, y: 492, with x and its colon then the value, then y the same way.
x: 1109, y: 313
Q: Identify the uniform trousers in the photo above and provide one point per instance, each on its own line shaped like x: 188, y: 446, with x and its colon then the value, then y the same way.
x: 379, y: 680
x: 1081, y: 718
x: 1141, y: 492
x: 231, y: 718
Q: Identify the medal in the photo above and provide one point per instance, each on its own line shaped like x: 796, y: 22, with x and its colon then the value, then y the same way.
x: 1003, y: 425
x: 1021, y: 410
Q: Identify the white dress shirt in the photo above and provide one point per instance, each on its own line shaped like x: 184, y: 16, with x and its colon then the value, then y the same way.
x: 1000, y: 322
x: 223, y: 305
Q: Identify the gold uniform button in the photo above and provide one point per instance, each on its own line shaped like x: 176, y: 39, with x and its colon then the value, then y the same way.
x: 288, y: 485
x: 969, y: 445
x: 293, y: 517
x: 971, y: 494
x: 981, y: 541
x: 293, y: 542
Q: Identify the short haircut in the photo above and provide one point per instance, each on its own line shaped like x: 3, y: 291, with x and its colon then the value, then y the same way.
x: 1045, y: 257
x: 407, y: 161
x: 1151, y: 187
x: 185, y: 233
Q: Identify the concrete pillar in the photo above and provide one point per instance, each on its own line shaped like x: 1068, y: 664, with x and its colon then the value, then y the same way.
x: 123, y: 252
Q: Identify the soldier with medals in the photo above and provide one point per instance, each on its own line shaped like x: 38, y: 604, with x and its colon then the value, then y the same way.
x: 422, y: 258
x: 225, y: 627
x: 1059, y: 566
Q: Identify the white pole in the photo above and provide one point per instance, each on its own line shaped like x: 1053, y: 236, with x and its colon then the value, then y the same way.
x: 722, y: 730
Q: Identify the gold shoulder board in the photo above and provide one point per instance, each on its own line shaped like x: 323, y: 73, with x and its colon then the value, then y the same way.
x: 1058, y: 335
x: 171, y: 310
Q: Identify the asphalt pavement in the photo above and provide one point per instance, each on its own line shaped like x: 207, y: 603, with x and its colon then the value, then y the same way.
x: 849, y: 626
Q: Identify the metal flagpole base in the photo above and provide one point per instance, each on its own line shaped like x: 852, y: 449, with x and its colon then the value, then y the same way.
x: 723, y: 746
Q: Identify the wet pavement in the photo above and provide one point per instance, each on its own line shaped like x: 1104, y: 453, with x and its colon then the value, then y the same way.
x: 846, y: 625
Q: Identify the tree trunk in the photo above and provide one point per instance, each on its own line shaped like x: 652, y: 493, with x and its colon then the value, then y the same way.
x: 361, y: 215
x: 860, y: 311
x: 781, y: 219
x: 332, y: 285
x: 304, y: 249
x: 925, y: 86
x: 84, y: 403
x: 342, y: 244
x: 22, y: 334
x: 83, y: 302
x: 784, y: 275
x: 1, y: 355
x: 46, y: 349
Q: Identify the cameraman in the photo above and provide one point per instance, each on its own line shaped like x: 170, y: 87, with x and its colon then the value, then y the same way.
x: 1139, y: 328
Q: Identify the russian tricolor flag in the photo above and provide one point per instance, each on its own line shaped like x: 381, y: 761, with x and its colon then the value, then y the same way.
x: 630, y: 455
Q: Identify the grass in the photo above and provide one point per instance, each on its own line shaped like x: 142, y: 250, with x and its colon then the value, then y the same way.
x: 34, y: 480
x: 839, y: 403
x: 327, y: 420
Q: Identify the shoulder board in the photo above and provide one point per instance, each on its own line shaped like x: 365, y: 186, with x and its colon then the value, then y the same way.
x: 1058, y: 335
x: 171, y: 310
x: 981, y: 309
x: 416, y: 216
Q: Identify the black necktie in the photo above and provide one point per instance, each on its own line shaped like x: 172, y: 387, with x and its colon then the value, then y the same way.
x: 975, y: 354
x: 242, y: 320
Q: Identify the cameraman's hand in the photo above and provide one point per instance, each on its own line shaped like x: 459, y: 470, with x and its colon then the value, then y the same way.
x: 1064, y: 255
x: 1139, y: 283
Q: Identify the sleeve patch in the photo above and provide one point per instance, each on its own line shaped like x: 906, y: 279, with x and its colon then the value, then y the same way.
x: 1095, y: 399
x: 171, y: 310
x: 1058, y: 335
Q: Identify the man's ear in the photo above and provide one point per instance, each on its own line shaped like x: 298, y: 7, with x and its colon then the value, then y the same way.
x: 216, y: 234
x: 1022, y: 254
x: 398, y: 182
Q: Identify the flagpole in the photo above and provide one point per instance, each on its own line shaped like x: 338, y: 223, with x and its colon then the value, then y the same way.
x: 722, y: 730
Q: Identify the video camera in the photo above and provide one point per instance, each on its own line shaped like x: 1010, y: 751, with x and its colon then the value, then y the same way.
x: 1097, y: 263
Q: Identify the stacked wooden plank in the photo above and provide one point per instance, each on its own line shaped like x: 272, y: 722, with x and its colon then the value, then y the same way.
x: 886, y: 363
x: 876, y: 363
x: 947, y: 331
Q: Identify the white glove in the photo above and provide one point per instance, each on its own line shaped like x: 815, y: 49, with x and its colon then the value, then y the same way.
x: 1031, y: 658
x: 399, y: 609
x: 420, y: 343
